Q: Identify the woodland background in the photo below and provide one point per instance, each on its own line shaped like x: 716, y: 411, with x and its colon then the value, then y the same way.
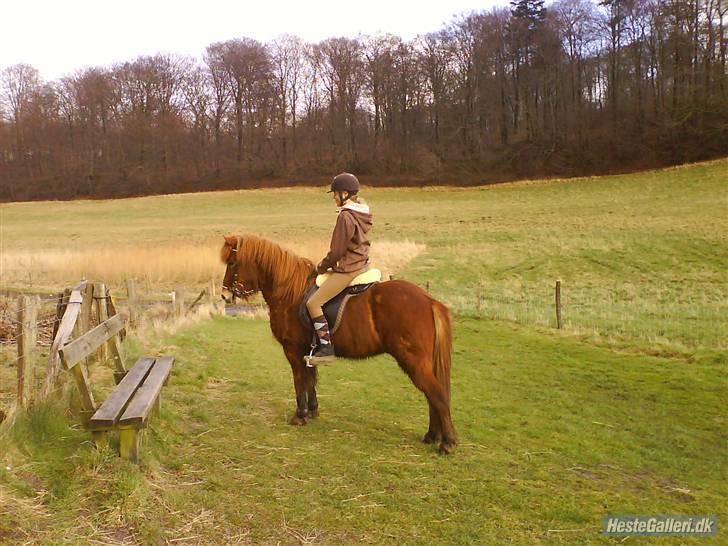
x: 570, y: 88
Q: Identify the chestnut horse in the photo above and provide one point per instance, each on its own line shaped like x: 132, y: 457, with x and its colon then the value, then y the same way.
x: 395, y: 317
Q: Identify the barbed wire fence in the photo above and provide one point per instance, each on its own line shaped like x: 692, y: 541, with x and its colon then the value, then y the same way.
x: 686, y: 322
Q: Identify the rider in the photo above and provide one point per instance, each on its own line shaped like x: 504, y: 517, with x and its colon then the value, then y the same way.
x: 348, y: 257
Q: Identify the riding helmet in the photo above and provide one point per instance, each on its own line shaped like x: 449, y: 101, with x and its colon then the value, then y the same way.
x: 345, y: 182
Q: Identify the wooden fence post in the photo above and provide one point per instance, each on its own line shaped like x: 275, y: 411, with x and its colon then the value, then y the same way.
x: 34, y: 343
x: 558, y: 304
x: 131, y: 292
x: 60, y: 309
x: 211, y: 292
x: 178, y: 301
x: 27, y: 316
x: 83, y: 322
x: 112, y: 347
x: 101, y: 314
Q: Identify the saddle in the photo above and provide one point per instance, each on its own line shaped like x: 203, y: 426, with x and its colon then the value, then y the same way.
x: 334, y: 308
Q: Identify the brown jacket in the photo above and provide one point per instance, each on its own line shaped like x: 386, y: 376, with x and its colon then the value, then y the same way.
x: 349, y: 243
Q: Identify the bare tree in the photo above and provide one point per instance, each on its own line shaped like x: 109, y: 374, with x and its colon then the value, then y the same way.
x: 198, y: 94
x: 246, y: 65
x: 18, y: 85
x: 574, y: 87
x: 287, y: 54
x: 435, y: 59
x: 342, y: 71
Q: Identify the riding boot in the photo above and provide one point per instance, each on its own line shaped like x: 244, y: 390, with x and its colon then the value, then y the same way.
x: 325, y: 352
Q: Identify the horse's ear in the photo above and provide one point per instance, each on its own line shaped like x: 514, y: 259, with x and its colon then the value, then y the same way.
x: 234, y: 241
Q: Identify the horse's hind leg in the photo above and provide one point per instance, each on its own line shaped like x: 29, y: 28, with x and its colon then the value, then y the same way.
x: 424, y: 379
x: 434, y: 433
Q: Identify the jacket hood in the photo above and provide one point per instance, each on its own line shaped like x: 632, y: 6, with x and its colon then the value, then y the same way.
x: 360, y: 211
x: 357, y: 207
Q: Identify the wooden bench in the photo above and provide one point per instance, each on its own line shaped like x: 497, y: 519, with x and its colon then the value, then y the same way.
x: 138, y: 390
x: 128, y: 407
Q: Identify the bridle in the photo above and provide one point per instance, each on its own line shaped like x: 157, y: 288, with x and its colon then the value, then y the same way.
x: 237, y: 288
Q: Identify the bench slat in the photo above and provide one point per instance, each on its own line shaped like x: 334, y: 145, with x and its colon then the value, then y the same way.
x: 114, y: 405
x: 139, y: 408
x: 83, y: 346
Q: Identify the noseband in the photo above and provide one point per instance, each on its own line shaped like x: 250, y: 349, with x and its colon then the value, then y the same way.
x: 237, y: 288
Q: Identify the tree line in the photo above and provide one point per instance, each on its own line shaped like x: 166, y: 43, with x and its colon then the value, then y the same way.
x: 575, y: 87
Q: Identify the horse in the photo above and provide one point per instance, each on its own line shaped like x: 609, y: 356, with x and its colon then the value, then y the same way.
x: 394, y: 317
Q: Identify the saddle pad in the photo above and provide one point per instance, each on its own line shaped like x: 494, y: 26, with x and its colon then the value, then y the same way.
x: 368, y: 277
x: 334, y: 308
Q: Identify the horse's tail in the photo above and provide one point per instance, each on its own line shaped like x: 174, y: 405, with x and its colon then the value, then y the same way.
x: 442, y: 351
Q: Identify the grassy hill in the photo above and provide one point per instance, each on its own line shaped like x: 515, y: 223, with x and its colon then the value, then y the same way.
x: 642, y: 258
x: 621, y: 412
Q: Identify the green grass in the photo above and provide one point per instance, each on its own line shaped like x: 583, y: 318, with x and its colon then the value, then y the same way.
x: 643, y: 258
x: 623, y: 411
x: 554, y: 434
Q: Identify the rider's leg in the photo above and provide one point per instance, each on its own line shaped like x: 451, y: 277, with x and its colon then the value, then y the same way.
x: 333, y: 285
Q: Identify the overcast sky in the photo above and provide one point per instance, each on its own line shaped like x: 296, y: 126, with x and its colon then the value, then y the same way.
x: 59, y: 37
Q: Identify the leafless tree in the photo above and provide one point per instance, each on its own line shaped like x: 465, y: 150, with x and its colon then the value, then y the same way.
x: 571, y: 87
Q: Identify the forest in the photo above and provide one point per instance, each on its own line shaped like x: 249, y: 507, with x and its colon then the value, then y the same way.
x: 572, y: 87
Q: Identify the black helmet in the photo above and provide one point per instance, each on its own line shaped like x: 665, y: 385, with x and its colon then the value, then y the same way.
x: 345, y: 182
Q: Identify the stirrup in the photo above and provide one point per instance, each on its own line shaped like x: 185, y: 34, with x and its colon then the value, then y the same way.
x: 307, y: 358
x: 313, y: 361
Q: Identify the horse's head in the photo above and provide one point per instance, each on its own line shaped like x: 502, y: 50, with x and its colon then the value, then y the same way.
x: 241, y: 275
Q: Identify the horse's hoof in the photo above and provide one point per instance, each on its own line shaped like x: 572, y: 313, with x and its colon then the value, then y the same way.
x: 313, y: 413
x: 431, y: 438
x: 447, y: 447
x: 297, y: 421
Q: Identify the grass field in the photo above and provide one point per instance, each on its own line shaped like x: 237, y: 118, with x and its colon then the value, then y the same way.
x: 554, y: 435
x: 642, y: 258
x: 623, y: 411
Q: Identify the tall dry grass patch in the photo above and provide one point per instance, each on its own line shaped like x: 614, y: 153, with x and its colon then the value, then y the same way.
x: 163, y: 266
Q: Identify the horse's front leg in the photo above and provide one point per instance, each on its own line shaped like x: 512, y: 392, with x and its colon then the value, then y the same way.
x: 312, y: 400
x: 300, y: 383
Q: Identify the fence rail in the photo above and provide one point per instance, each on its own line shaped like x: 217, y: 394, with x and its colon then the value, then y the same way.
x: 67, y: 325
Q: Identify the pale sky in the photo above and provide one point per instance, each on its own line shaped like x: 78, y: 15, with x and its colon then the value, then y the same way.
x: 59, y: 37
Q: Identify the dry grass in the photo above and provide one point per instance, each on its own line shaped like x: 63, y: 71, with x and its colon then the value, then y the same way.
x: 160, y: 321
x: 16, y: 510
x: 162, y: 265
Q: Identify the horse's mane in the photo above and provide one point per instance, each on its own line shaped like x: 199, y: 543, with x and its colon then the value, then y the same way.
x: 288, y: 272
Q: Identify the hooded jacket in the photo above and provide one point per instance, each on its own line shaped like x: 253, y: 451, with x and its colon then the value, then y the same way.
x: 349, y: 250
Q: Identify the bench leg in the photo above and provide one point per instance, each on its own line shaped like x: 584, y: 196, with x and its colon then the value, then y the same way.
x: 129, y: 444
x: 158, y: 405
x: 101, y: 439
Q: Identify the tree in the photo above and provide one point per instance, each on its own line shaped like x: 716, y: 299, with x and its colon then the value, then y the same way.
x: 18, y: 85
x: 287, y: 57
x: 246, y: 66
x: 343, y: 78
